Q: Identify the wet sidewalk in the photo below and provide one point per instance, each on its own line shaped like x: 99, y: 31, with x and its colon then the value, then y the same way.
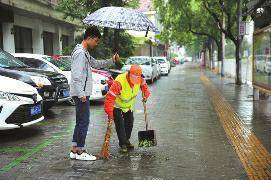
x: 192, y: 142
x: 256, y: 114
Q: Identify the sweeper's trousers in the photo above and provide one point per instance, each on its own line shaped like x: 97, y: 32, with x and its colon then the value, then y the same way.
x: 124, y: 125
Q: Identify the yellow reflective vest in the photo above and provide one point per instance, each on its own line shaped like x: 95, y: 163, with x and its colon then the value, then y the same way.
x: 126, y: 99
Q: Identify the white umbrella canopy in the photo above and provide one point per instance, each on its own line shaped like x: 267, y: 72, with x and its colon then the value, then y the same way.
x: 120, y: 18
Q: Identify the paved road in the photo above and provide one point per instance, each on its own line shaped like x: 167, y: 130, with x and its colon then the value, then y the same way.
x: 192, y: 143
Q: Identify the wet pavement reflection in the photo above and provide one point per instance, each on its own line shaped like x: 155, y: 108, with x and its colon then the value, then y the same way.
x: 192, y: 144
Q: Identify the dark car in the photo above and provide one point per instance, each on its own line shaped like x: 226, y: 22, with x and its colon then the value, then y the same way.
x: 172, y: 64
x: 52, y: 86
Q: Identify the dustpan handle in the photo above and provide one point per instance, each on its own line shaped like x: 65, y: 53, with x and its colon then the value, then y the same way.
x: 145, y: 113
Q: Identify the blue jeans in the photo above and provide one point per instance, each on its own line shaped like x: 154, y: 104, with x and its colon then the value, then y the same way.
x: 82, y: 122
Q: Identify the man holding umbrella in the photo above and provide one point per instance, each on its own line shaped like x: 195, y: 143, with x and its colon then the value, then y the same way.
x: 119, y: 103
x: 81, y: 88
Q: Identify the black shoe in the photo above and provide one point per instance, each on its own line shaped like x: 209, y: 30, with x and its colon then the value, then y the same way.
x: 123, y: 149
x: 130, y: 146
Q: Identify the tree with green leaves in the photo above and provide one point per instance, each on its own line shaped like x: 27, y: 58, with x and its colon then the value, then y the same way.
x: 232, y: 9
x: 78, y: 9
x: 186, y: 18
x: 188, y: 23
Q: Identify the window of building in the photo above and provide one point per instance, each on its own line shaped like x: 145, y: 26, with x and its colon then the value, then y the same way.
x: 23, y: 40
x: 65, y: 41
x: 48, y: 43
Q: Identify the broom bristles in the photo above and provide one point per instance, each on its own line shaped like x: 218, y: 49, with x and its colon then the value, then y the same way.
x: 105, y: 148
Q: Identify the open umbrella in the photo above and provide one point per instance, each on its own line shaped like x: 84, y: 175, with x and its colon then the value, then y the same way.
x: 120, y: 18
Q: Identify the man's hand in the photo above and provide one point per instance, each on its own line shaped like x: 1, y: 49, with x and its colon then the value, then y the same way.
x: 116, y: 57
x: 83, y: 99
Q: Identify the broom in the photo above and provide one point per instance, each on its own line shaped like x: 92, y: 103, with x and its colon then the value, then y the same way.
x: 104, y: 153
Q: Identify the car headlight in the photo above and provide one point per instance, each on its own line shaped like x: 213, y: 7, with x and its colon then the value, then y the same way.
x: 96, y: 81
x: 40, y: 81
x: 8, y: 96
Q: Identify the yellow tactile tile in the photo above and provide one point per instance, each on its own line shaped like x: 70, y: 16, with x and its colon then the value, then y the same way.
x: 253, y: 155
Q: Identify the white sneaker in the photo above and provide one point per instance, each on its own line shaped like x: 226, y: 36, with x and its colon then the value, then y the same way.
x: 72, y: 155
x: 85, y: 157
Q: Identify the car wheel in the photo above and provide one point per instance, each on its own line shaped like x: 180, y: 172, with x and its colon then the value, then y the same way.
x: 152, y: 80
x: 48, y: 105
x: 71, y: 102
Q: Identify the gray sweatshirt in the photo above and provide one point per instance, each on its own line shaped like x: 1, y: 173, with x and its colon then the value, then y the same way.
x: 81, y: 71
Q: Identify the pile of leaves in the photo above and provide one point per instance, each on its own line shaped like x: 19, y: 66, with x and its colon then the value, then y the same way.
x: 145, y: 143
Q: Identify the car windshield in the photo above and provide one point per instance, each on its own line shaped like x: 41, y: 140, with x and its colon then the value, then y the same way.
x: 9, y: 61
x: 138, y: 60
x: 161, y: 60
x: 63, y: 63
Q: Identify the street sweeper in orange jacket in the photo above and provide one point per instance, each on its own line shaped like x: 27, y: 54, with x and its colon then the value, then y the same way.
x: 119, y: 103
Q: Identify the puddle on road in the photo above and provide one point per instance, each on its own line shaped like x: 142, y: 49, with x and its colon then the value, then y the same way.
x: 131, y: 163
x: 139, y: 111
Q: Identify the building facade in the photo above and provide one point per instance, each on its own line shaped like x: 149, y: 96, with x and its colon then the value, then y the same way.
x: 34, y: 26
x: 150, y: 45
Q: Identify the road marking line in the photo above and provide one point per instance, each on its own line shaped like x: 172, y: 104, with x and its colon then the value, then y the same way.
x: 253, y: 155
x: 27, y: 155
x: 13, y: 149
x: 51, y: 140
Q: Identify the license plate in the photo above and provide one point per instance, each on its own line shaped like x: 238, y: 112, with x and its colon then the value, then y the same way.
x: 46, y: 94
x: 66, y: 93
x: 35, y: 110
x: 106, y: 88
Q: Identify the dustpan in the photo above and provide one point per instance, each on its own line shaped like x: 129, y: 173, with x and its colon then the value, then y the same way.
x: 146, y: 138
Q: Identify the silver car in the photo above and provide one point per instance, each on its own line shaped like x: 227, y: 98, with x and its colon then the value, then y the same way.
x: 148, y: 65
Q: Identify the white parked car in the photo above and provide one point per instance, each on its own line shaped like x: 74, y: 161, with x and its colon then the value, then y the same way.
x: 148, y: 65
x: 62, y: 64
x: 157, y: 67
x: 164, y: 64
x: 20, y: 104
x: 268, y: 65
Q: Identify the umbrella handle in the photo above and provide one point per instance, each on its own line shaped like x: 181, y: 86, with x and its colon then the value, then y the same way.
x: 147, y: 31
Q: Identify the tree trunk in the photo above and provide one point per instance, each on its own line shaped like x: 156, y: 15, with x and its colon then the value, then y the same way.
x: 238, y: 60
x: 219, y: 57
x: 222, y: 53
x: 238, y: 54
x: 219, y: 52
x: 210, y: 47
x: 213, y: 61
